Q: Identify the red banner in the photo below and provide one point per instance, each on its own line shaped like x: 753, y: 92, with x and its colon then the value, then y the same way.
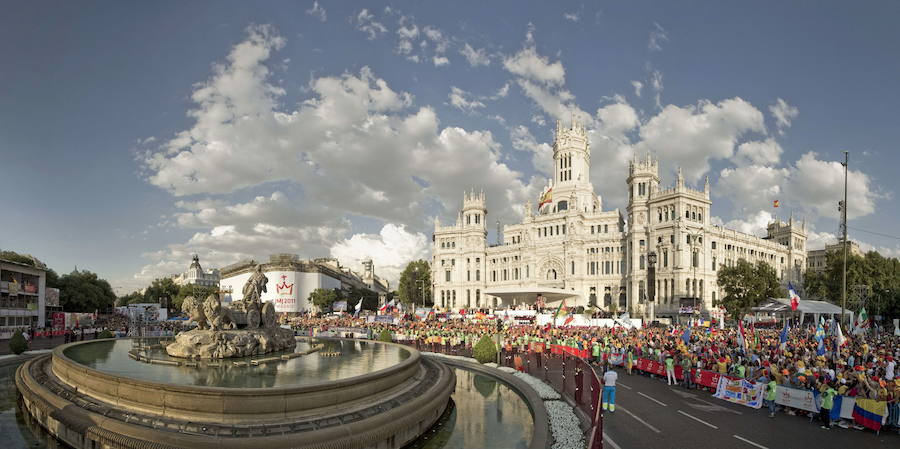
x: 657, y: 368
x: 558, y: 349
x: 59, y: 320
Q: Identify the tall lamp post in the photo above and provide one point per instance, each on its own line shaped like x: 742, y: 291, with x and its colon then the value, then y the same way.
x: 843, y: 207
x: 651, y: 279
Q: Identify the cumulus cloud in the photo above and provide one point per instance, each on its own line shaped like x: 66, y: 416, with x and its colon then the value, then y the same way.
x: 783, y: 114
x: 692, y: 135
x: 348, y: 150
x: 816, y: 186
x: 571, y: 16
x: 752, y: 188
x: 542, y: 153
x: 530, y: 65
x: 317, y: 11
x: 475, y: 57
x: 758, y: 152
x: 755, y: 224
x: 390, y: 250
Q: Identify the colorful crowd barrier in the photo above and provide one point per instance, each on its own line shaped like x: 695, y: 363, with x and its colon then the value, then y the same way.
x: 869, y: 413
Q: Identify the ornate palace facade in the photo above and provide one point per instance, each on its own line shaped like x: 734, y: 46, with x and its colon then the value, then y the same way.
x: 571, y: 248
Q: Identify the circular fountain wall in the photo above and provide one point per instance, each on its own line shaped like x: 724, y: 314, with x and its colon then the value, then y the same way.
x: 349, y: 394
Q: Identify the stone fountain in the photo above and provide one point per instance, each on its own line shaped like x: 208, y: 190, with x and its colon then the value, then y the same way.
x: 249, y: 327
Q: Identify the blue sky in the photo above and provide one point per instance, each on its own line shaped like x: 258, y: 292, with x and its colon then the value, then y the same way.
x: 133, y: 134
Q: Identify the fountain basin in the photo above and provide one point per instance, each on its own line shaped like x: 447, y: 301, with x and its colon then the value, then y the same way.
x: 90, y: 407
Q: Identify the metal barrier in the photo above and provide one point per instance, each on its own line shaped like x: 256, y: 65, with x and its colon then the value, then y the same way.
x: 568, y: 374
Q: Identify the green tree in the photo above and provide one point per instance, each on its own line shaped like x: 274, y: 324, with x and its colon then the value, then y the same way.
x: 26, y: 259
x: 370, y: 299
x: 485, y: 351
x: 746, y: 285
x: 83, y: 291
x: 131, y: 298
x: 323, y: 298
x: 17, y: 343
x: 161, y: 290
x: 879, y: 275
x: 415, y: 284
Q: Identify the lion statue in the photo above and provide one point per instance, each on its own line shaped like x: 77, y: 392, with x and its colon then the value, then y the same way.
x: 219, y: 317
x: 194, y: 309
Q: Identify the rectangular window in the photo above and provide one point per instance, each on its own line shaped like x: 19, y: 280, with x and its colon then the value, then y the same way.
x: 447, y: 275
x: 641, y: 265
x: 477, y: 275
x: 605, y: 229
x: 713, y: 245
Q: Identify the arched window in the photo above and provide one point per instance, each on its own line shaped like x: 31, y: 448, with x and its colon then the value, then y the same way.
x: 478, y: 298
x: 454, y: 298
x: 562, y: 205
x: 468, y: 298
x: 551, y: 275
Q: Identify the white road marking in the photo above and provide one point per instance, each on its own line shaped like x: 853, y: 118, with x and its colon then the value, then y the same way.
x: 639, y: 420
x: 610, y: 441
x: 654, y: 400
x: 698, y: 419
x: 623, y: 385
x: 760, y: 446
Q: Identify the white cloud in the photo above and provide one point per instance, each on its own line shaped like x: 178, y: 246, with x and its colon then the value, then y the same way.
x: 816, y: 186
x: 611, y: 144
x: 458, y: 100
x: 784, y: 114
x: 637, y: 87
x: 693, y: 135
x: 758, y: 152
x: 390, y: 250
x: 755, y: 224
x: 542, y: 153
x: 656, y: 82
x: 529, y: 65
x: 502, y: 92
x: 317, y: 11
x: 571, y: 16
x: 658, y: 35
x: 440, y: 61
x: 752, y: 188
x: 475, y: 57
x: 365, y: 22
x: 437, y: 37
x: 349, y: 149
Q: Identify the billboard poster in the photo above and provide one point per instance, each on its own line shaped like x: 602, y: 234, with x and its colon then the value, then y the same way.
x: 59, y: 320
x: 51, y: 295
x: 287, y: 292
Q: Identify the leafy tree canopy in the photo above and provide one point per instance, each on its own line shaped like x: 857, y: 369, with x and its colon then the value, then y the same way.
x: 415, y: 284
x: 323, y: 298
x: 877, y: 276
x: 746, y: 285
x: 83, y: 291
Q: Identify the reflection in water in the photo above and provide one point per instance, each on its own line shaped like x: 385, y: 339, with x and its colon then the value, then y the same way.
x: 15, y: 431
x: 356, y: 358
x: 487, y: 414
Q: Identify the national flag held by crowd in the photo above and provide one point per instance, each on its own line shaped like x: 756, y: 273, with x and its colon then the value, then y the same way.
x: 742, y: 336
x: 795, y: 298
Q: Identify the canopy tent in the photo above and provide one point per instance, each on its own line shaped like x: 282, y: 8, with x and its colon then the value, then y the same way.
x: 512, y: 296
x: 807, y: 306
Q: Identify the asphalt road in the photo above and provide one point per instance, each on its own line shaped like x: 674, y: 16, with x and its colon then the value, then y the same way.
x: 650, y: 414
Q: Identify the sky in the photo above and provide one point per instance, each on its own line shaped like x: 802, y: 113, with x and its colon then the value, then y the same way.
x: 134, y: 134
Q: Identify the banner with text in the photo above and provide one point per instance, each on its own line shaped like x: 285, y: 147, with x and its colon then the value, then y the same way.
x: 796, y: 398
x: 740, y: 391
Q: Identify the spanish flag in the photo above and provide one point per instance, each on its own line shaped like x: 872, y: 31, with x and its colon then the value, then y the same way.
x: 775, y: 203
x: 546, y: 198
x: 869, y: 413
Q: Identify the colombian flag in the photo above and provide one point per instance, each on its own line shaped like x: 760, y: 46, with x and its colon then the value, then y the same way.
x: 869, y: 413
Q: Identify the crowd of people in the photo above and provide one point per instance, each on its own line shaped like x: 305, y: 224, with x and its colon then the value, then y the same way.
x: 864, y: 366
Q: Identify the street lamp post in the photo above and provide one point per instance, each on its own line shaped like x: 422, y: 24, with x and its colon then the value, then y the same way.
x: 844, y: 229
x: 695, y: 238
x: 651, y: 279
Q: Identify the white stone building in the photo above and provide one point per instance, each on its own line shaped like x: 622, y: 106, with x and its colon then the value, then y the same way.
x: 292, y: 279
x: 571, y: 248
x: 196, y: 275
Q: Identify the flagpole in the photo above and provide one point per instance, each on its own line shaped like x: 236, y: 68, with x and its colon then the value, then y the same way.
x: 844, y: 220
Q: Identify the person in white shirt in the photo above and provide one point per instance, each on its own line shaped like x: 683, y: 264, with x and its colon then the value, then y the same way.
x: 889, y: 369
x: 609, y: 389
